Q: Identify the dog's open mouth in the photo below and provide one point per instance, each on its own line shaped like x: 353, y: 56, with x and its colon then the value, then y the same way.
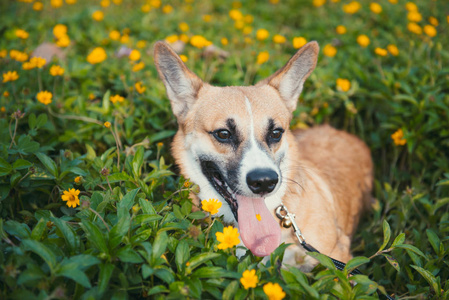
x: 259, y: 230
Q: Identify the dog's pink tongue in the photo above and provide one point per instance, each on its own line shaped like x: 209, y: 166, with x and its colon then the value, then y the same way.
x: 259, y: 230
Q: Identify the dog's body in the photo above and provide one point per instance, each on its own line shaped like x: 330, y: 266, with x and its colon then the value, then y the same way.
x: 235, y: 143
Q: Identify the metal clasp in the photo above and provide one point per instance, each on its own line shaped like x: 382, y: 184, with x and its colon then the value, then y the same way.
x: 288, y: 220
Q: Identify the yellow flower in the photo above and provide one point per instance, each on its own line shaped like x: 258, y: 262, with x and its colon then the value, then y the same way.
x: 352, y: 7
x: 70, y: 2
x: 228, y: 238
x: 38, y: 62
x: 91, y: 96
x: 139, y: 87
x: 207, y: 18
x: 63, y: 41
x: 235, y: 14
x: 430, y: 30
x: 107, y: 124
x: 166, y: 9
x: 415, y: 28
x: 56, y: 70
x: 10, y: 76
x: 398, y: 137
x: 224, y: 41
x: 273, y: 291
x: 22, y: 34
x: 71, y: 196
x: 145, y: 8
x: 340, y: 29
x: 124, y: 39
x: 98, y: 15
x: 393, y: 1
x: 2, y: 109
x: 329, y: 50
x: 28, y: 65
x: 105, y: 3
x: 184, y: 58
x: 239, y: 24
x: 410, y: 6
x: 212, y: 206
x: 3, y: 53
x: 155, y: 3
x: 414, y: 16
x: 274, y: 1
x: 97, y: 56
x: 117, y: 2
x: 393, y: 50
x: 262, y: 34
x: 298, y: 42
x: 279, y: 39
x: 249, y: 279
x: 114, y: 35
x: 343, y: 84
x: 184, y: 37
x: 78, y: 179
x: 6, y: 94
x: 247, y: 30
x: 44, y: 97
x: 172, y: 39
x: 363, y: 40
x: 375, y: 7
x: 116, y: 98
x: 381, y: 51
x: 263, y: 57
x: 56, y: 3
x: 18, y: 56
x: 318, y: 3
x: 137, y: 67
x: 141, y: 44
x: 38, y: 6
x: 199, y: 41
x: 433, y: 21
x: 134, y: 55
x: 184, y: 26
x: 59, y: 31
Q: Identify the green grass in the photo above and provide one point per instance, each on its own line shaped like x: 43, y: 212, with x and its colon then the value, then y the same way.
x: 135, y: 234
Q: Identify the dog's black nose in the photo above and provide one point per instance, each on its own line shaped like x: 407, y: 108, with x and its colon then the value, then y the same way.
x: 262, y: 181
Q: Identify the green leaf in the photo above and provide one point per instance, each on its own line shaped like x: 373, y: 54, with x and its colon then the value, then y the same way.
x: 137, y: 162
x: 128, y: 255
x: 393, y: 262
x: 211, y: 272
x: 146, y: 218
x: 434, y: 240
x: 387, y: 234
x: 68, y: 233
x: 32, y: 121
x: 159, y: 245
x: 355, y: 263
x: 123, y: 176
x: 197, y: 215
x: 95, y: 236
x: 165, y: 275
x: 21, y: 164
x: 231, y: 290
x: 106, y: 101
x: 146, y: 206
x: 41, y: 120
x: 202, y: 258
x: 429, y: 278
x: 48, y: 163
x: 26, y: 146
x: 32, y: 273
x: 5, y: 167
x: 75, y: 274
x: 19, y: 230
x: 39, y: 230
x: 398, y: 240
x: 128, y: 200
x: 323, y: 259
x: 40, y: 249
x: 106, y: 270
x: 90, y: 155
x: 182, y: 255
x: 411, y: 248
x: 118, y: 231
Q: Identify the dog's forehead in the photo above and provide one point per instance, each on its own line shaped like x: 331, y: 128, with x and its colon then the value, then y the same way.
x: 218, y: 104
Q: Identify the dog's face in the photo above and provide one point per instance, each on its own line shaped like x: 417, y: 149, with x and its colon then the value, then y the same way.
x: 233, y: 141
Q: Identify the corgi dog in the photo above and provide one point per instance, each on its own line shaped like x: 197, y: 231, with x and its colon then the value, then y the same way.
x: 235, y: 143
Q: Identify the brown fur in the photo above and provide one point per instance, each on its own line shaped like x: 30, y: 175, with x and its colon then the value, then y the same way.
x: 329, y: 174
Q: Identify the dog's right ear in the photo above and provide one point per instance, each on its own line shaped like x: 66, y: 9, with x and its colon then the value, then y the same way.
x: 182, y: 85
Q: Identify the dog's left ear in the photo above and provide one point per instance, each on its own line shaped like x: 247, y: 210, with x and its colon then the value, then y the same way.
x: 182, y: 85
x: 289, y: 80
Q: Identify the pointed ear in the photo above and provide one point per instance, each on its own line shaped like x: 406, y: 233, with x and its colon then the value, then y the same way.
x: 289, y: 80
x: 182, y: 85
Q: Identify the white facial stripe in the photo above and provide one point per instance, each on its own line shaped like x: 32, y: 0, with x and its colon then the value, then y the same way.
x: 254, y: 157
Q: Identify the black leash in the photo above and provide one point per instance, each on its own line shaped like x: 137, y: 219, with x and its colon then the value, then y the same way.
x: 288, y: 220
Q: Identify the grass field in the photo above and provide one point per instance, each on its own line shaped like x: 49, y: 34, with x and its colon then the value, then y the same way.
x: 91, y: 204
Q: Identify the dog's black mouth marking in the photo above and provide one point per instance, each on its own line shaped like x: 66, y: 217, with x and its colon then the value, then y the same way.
x: 212, y: 173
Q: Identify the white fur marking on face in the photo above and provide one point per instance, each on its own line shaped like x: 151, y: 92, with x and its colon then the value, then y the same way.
x: 254, y: 157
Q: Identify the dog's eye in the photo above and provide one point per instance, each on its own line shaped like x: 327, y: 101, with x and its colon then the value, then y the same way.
x: 276, y: 135
x: 222, y: 135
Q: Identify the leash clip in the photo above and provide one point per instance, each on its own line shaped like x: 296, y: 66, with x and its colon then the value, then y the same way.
x: 288, y: 220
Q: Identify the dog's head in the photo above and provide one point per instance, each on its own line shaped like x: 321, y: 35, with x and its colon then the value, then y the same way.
x: 234, y: 141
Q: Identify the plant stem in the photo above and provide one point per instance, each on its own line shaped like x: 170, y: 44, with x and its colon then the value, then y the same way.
x: 15, y: 131
x: 98, y: 215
